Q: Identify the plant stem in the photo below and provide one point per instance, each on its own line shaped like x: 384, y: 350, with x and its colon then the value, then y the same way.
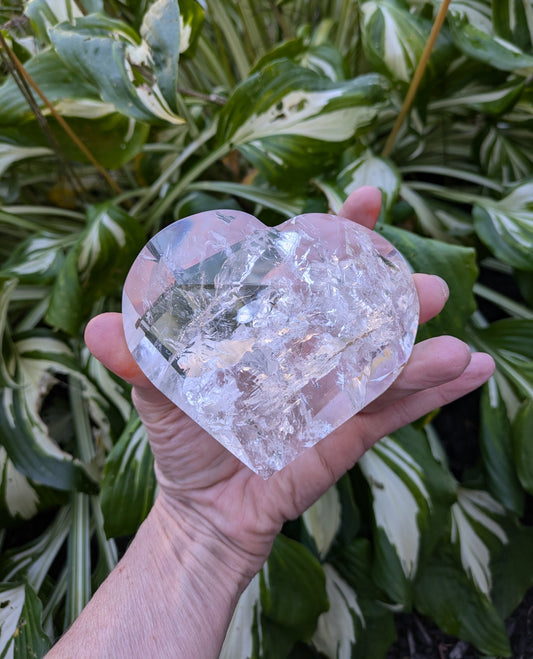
x: 417, y: 77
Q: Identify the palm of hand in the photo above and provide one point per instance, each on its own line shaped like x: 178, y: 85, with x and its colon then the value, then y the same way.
x: 200, y: 481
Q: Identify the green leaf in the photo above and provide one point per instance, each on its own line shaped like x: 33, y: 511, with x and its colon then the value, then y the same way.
x: 293, y: 595
x: 287, y: 119
x: 38, y: 356
x: 506, y: 226
x: 444, y: 593
x: 513, y: 21
x: 393, y: 38
x: 95, y: 265
x: 45, y: 13
x: 21, y: 634
x: 509, y: 343
x: 128, y: 482
x: 242, y: 638
x: 111, y: 56
x: 522, y: 435
x: 497, y: 451
x: 11, y: 153
x: 367, y: 169
x: 403, y: 468
x: 471, y: 28
x: 454, y: 263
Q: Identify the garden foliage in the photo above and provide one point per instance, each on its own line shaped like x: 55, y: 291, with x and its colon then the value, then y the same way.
x: 276, y: 107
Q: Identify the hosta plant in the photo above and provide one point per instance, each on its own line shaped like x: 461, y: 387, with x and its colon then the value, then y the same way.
x: 117, y: 118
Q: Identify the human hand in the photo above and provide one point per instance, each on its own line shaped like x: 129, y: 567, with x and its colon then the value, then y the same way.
x: 205, y: 490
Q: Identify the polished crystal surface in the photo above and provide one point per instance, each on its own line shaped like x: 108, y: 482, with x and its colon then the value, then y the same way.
x: 269, y: 338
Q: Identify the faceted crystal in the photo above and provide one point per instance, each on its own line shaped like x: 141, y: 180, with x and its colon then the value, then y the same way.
x: 269, y: 338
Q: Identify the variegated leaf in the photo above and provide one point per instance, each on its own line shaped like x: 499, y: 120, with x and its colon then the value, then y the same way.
x: 522, y: 434
x: 322, y: 520
x: 504, y: 156
x: 127, y: 70
x: 506, y: 226
x: 393, y: 38
x: 368, y: 169
x: 475, y: 530
x: 38, y: 357
x: 472, y: 30
x: 11, y: 153
x: 21, y: 635
x: 509, y: 342
x: 32, y: 561
x: 128, y: 482
x: 287, y: 119
x: 95, y: 265
x: 46, y: 13
x: 18, y: 497
x: 401, y: 500
x: 37, y: 259
x: 336, y: 631
x: 239, y: 641
x: 513, y: 21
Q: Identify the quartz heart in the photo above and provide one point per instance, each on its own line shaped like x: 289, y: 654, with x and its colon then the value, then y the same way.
x: 269, y: 338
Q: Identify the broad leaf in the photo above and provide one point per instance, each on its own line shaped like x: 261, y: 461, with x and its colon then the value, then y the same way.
x: 477, y: 534
x: 95, y: 265
x: 455, y: 264
x: 367, y: 169
x: 280, y: 606
x: 38, y: 357
x: 46, y: 13
x: 21, y: 634
x: 444, y: 592
x: 411, y: 493
x: 523, y: 444
x: 338, y: 628
x: 497, y: 451
x: 393, y: 38
x: 471, y: 27
x: 128, y: 482
x: 18, y: 497
x: 287, y: 119
x: 509, y: 342
x: 322, y: 520
x: 122, y: 66
x: 506, y: 226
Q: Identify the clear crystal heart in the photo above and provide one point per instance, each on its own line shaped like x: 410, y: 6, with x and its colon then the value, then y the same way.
x: 269, y: 338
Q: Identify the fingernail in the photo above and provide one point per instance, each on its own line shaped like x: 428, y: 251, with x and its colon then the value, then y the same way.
x: 444, y: 287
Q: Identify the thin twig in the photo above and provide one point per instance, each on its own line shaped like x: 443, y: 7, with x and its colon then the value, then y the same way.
x: 417, y: 77
x: 23, y: 73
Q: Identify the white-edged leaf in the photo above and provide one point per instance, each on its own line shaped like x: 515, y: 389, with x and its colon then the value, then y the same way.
x: 471, y: 27
x: 506, y: 226
x: 21, y: 634
x: 368, y: 169
x: 32, y: 561
x: 401, y: 500
x: 393, y: 38
x: 322, y: 520
x: 336, y: 631
x: 18, y: 497
x: 11, y: 153
x: 37, y: 259
x: 239, y: 641
x: 38, y: 357
x: 474, y: 519
x: 113, y: 58
x: 128, y: 483
x: 504, y: 156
